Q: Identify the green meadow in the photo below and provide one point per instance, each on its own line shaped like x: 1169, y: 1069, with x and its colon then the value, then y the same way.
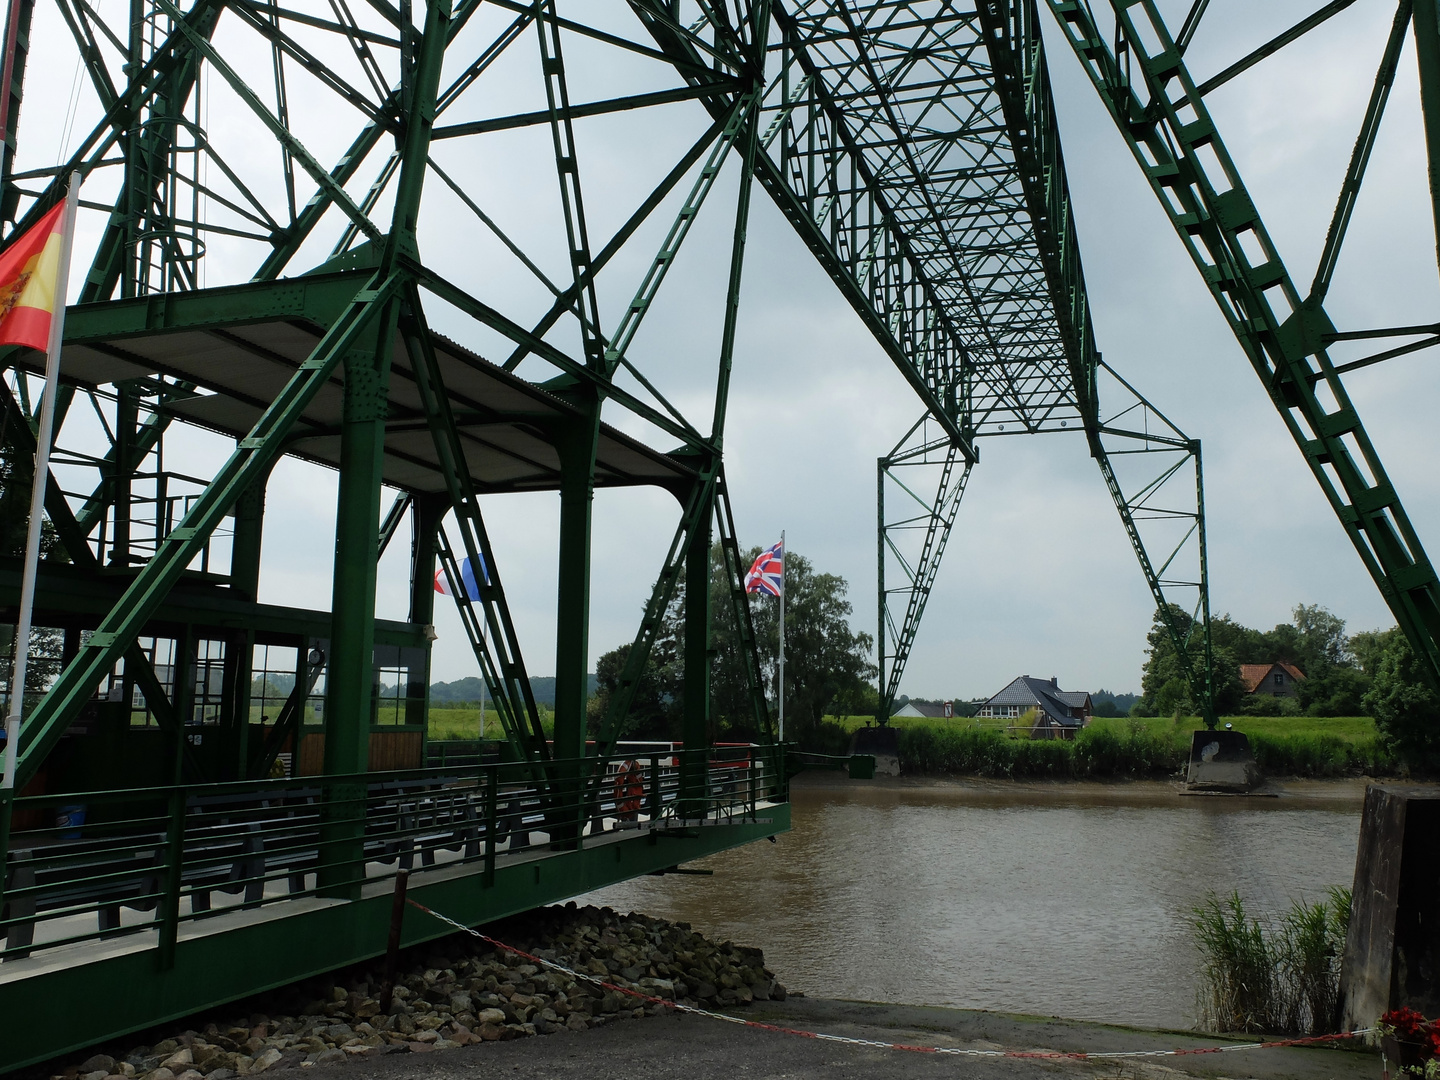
x: 1302, y: 746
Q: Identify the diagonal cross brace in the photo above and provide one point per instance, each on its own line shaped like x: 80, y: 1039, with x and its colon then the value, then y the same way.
x: 514, y: 688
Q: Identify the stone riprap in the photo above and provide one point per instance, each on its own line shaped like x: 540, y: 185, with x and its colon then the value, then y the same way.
x: 458, y: 991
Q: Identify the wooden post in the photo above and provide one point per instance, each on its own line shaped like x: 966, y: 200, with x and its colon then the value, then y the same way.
x: 392, y: 947
x: 1392, y: 952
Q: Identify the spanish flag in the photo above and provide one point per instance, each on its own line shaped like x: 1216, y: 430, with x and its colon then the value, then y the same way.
x: 29, y: 276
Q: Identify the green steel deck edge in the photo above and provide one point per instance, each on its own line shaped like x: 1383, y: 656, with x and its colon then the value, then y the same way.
x: 60, y: 1011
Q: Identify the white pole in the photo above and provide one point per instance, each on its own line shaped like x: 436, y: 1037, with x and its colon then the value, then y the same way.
x: 784, y: 558
x: 37, y: 491
x: 485, y: 644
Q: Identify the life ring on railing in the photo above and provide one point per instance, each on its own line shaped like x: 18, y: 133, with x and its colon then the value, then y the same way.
x: 629, y: 791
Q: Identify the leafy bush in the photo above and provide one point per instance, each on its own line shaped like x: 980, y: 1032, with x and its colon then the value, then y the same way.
x: 1404, y: 706
x: 826, y: 737
x: 1313, y: 755
x: 1282, y: 978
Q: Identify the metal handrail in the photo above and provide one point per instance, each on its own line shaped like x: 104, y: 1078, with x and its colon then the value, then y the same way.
x: 168, y: 853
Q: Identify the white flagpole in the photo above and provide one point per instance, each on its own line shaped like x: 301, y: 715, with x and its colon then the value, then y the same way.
x: 784, y: 558
x: 37, y: 491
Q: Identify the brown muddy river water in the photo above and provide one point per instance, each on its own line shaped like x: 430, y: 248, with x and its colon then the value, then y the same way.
x: 1059, y: 899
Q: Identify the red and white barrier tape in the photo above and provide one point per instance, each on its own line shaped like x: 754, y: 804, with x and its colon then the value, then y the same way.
x: 876, y: 1043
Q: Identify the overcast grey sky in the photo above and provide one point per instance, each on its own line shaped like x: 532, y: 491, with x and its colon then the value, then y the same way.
x: 1039, y: 577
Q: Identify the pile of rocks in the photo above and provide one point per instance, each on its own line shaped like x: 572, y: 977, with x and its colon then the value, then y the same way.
x: 458, y: 991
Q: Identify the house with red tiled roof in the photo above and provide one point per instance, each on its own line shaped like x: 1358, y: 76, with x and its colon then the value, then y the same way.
x: 1275, y: 680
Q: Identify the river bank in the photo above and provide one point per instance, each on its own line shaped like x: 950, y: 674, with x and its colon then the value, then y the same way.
x: 1333, y: 792
x: 1135, y: 747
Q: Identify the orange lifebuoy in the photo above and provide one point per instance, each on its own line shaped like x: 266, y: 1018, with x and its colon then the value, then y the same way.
x: 629, y: 791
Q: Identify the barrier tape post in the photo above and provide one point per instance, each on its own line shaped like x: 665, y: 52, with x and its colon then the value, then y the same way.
x: 1073, y: 1055
x: 392, y: 945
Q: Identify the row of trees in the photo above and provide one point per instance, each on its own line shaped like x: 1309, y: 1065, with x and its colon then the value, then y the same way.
x: 1369, y: 673
x: 827, y: 666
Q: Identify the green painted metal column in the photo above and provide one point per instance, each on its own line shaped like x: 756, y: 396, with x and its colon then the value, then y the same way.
x: 695, y: 725
x: 350, y: 671
x: 127, y: 415
x: 240, y: 645
x: 425, y: 517
x: 246, y: 542
x: 182, y: 699
x: 352, y: 620
x: 577, y: 442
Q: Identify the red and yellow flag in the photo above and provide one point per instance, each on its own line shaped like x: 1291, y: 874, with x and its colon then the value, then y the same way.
x: 29, y: 273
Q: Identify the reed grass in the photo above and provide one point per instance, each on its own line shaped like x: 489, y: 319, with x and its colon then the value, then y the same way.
x: 1104, y: 749
x: 1278, y: 977
x: 1130, y: 747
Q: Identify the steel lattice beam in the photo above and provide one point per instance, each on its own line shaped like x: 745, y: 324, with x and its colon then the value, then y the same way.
x: 1160, y: 110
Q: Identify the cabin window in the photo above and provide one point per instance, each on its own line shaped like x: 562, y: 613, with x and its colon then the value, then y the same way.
x: 1279, y: 678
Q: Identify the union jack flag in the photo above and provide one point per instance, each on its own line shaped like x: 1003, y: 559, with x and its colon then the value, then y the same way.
x: 767, y: 575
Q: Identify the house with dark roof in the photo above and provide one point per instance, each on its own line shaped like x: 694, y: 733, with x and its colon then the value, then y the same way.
x: 1058, y: 714
x: 940, y: 710
x: 1275, y: 680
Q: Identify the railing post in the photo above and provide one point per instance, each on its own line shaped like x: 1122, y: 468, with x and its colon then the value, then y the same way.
x: 754, y: 771
x: 654, y: 790
x: 582, y: 802
x: 7, y: 806
x: 342, y: 838
x: 492, y: 782
x: 174, y: 868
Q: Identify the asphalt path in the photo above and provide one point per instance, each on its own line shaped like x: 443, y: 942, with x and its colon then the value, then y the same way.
x: 698, y: 1048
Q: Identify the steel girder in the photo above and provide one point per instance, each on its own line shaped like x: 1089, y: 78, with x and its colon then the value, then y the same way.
x: 914, y: 147
x: 914, y: 540
x: 146, y: 87
x: 1160, y: 109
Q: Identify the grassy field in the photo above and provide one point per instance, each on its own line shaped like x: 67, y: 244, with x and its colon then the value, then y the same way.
x: 1116, y: 747
x: 1284, y: 746
x: 463, y: 723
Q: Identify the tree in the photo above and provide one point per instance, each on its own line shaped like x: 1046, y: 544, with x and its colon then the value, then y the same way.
x: 1315, y: 642
x: 1368, y: 647
x: 826, y: 663
x: 1322, y: 637
x: 655, y: 708
x: 824, y: 658
x: 1405, y: 707
x: 1163, y: 687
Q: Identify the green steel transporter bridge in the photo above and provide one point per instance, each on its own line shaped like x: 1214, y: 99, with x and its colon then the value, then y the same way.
x: 258, y: 182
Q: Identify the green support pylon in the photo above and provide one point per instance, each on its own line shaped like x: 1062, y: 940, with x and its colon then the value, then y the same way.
x: 1283, y: 333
